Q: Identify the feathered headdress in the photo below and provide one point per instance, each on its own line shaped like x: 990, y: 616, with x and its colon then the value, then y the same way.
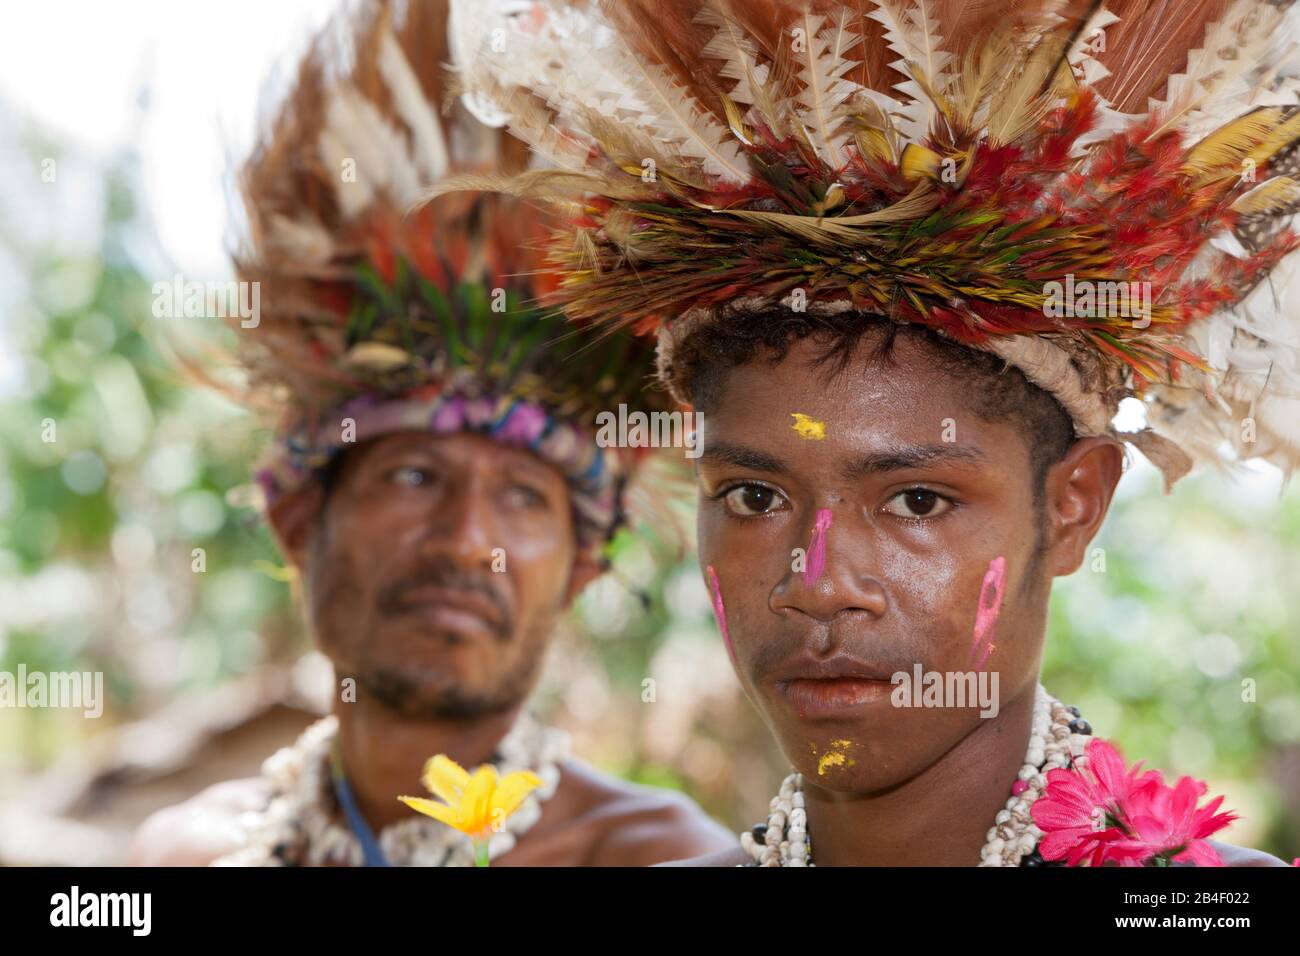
x: 376, y: 318
x: 1095, y: 192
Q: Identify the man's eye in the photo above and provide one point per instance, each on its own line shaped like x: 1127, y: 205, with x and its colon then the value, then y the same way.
x: 522, y: 496
x: 750, y: 500
x: 411, y: 476
x: 917, y: 503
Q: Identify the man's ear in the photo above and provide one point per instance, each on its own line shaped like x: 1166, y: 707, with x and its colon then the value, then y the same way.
x: 585, y: 570
x: 292, y: 517
x: 1079, y: 489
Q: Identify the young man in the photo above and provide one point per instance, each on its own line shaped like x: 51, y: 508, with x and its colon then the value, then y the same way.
x: 911, y: 523
x: 435, y: 482
x: 907, y: 261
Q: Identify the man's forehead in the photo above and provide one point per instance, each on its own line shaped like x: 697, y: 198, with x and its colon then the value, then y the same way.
x: 869, y: 416
x: 874, y: 408
x: 860, y: 381
x: 461, y: 447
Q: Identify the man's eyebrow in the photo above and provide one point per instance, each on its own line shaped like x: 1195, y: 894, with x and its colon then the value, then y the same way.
x: 910, y: 456
x: 403, y: 450
x: 725, y: 453
x: 528, y: 465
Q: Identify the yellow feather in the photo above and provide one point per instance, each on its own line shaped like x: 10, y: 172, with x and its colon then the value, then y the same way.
x: 1018, y: 104
x: 921, y: 200
x: 1279, y: 139
x: 919, y: 161
x: 874, y: 132
x: 552, y: 185
x: 1229, y: 143
x: 873, y: 146
x: 1274, y: 195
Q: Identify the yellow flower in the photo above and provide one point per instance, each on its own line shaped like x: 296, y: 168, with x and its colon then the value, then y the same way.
x: 473, y: 803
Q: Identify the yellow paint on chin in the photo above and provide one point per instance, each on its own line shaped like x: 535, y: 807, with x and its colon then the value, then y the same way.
x: 835, y: 757
x: 832, y: 759
x: 808, y: 427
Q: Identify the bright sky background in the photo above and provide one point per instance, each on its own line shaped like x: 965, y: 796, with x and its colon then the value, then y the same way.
x: 76, y: 67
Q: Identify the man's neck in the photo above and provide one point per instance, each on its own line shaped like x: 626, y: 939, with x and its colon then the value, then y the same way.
x: 384, y: 753
x: 940, y: 817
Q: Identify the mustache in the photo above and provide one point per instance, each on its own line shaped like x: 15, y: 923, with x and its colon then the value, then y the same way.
x: 443, y: 572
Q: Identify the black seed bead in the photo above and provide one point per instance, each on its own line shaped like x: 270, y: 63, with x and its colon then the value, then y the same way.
x: 760, y: 833
x: 1081, y: 726
x: 1032, y: 859
x: 1074, y: 710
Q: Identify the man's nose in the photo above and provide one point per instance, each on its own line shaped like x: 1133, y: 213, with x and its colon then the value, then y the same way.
x: 465, y: 526
x: 838, y: 573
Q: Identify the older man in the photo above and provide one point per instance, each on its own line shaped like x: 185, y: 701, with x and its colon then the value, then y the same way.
x: 907, y: 259
x: 435, y: 482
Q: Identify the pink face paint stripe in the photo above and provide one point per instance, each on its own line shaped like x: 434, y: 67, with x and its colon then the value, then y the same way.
x: 992, y: 590
x: 817, y: 547
x: 720, y: 611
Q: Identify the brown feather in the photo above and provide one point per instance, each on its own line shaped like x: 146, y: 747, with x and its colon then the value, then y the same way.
x: 1149, y: 44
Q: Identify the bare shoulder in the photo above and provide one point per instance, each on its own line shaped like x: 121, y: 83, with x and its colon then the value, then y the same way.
x: 199, y: 830
x: 1243, y: 856
x: 641, y: 825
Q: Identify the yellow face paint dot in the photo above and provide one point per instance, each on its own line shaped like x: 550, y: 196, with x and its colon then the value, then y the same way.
x: 807, y: 427
x: 833, y: 759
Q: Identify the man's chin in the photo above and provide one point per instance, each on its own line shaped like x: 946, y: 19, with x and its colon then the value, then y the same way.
x: 437, y: 658
x: 434, y: 697
x: 838, y: 772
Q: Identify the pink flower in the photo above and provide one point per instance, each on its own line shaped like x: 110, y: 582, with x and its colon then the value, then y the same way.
x: 1080, y: 810
x: 1102, y: 813
x: 1168, y: 822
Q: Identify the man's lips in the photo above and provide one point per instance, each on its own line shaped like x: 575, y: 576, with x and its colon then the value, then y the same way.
x: 826, y: 697
x: 452, y: 609
x: 834, y: 686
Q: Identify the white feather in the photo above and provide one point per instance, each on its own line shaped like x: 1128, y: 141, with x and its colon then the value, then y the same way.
x: 738, y: 54
x: 1092, y: 37
x: 414, y: 109
x: 1254, y: 388
x: 1218, y: 85
x: 824, y: 88
x: 909, y: 32
x: 572, y: 59
x: 670, y: 112
x: 306, y: 242
x: 355, y: 130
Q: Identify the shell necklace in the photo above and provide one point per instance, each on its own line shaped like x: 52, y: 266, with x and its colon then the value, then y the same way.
x: 300, y: 826
x: 1058, y: 737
